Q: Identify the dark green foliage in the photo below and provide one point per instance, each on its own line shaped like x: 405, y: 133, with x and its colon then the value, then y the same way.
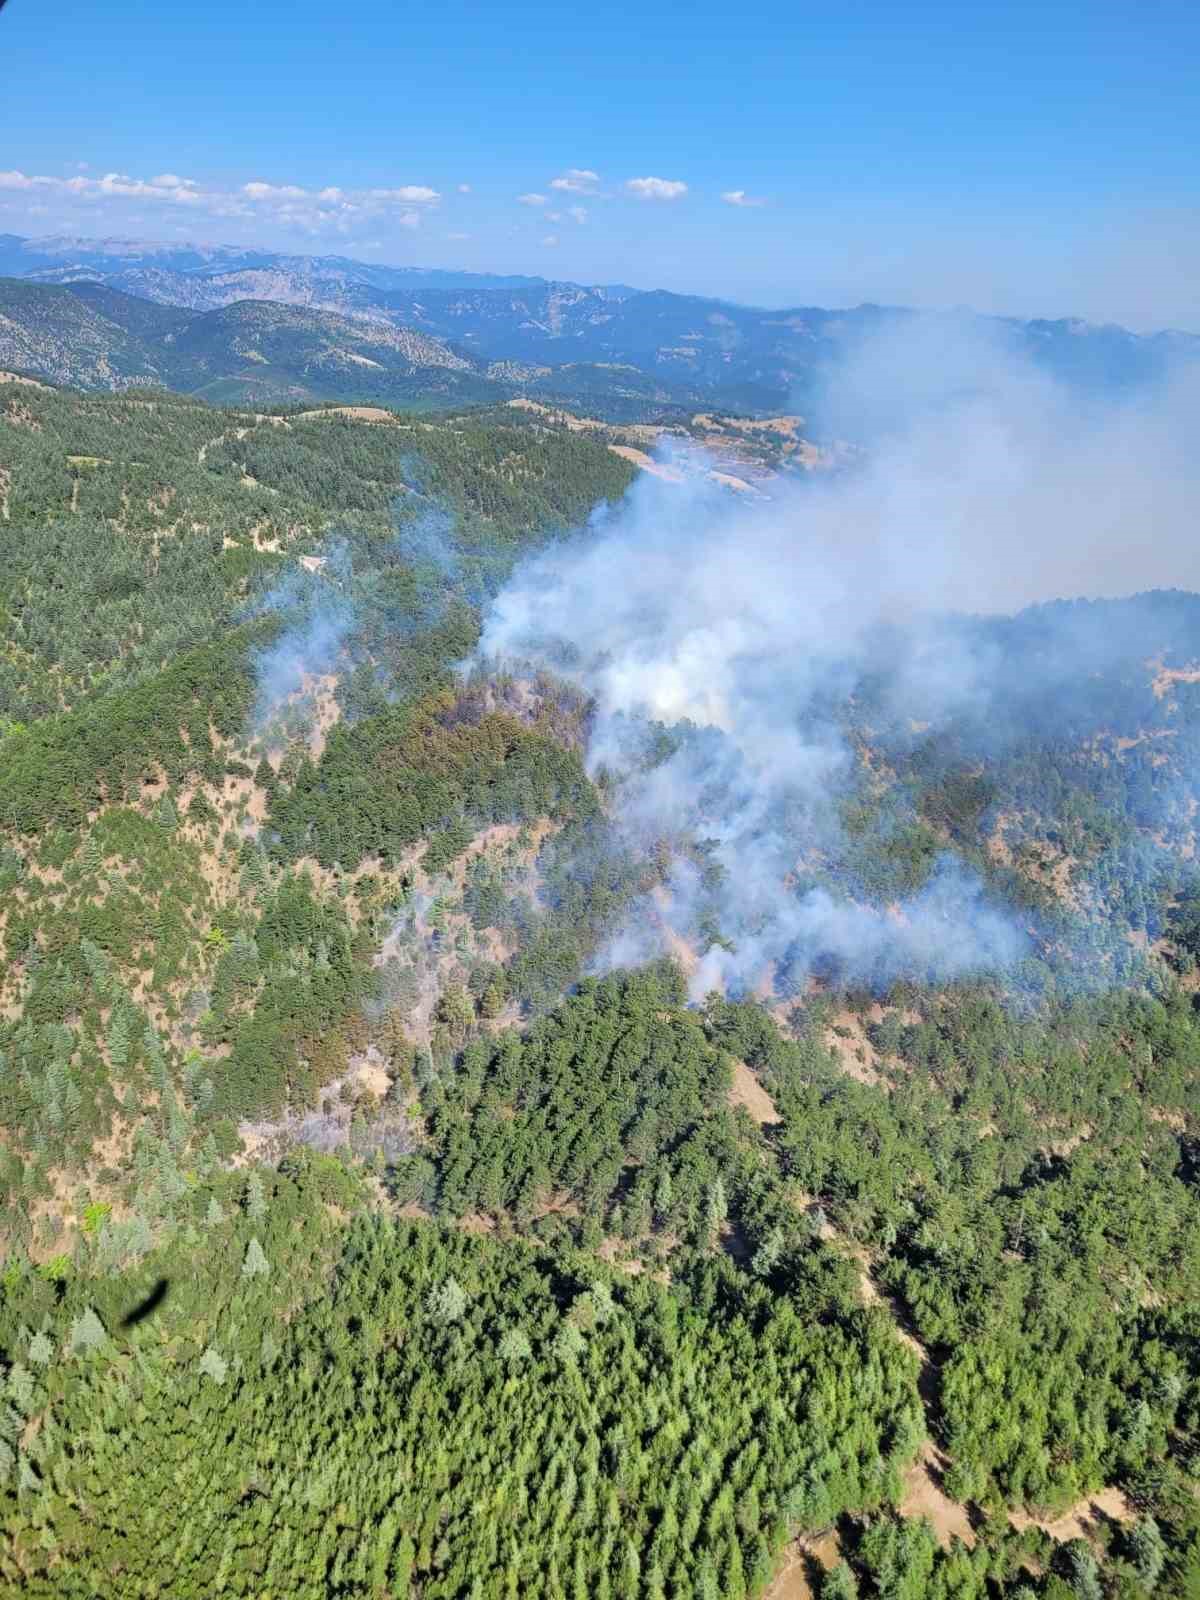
x: 617, y: 1075
x: 63, y: 767
x: 457, y: 1412
x: 387, y: 781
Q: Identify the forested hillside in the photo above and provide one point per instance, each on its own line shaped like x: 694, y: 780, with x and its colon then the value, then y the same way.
x: 370, y: 1229
x: 252, y: 351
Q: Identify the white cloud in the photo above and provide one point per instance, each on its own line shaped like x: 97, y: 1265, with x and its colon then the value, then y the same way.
x: 464, y: 188
x: 531, y: 199
x: 411, y: 194
x: 288, y: 204
x: 456, y: 238
x: 576, y: 180
x: 272, y: 191
x: 168, y: 187
x: 656, y: 188
x: 577, y: 214
x: 739, y: 197
x: 551, y: 239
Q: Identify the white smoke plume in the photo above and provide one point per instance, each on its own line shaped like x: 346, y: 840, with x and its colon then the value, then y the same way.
x: 741, y: 625
x: 318, y: 616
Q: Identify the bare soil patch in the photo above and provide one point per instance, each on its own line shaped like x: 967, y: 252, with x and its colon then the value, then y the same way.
x: 846, y: 1036
x: 747, y: 1091
x: 1164, y: 677
x: 803, y: 1560
x: 728, y: 481
x: 1084, y: 1520
x: 359, y: 413
x: 639, y: 458
x: 924, y: 1497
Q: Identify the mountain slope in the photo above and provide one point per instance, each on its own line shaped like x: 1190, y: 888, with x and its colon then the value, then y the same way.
x: 96, y: 337
x: 336, y: 1195
x: 67, y: 256
x: 69, y: 338
x: 694, y: 349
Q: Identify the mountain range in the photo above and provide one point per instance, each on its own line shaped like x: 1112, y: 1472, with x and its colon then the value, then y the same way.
x: 236, y: 325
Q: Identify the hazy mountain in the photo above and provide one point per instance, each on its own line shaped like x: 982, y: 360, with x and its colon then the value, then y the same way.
x: 21, y: 257
x: 93, y: 336
x: 684, y: 349
x: 62, y: 336
x: 96, y: 337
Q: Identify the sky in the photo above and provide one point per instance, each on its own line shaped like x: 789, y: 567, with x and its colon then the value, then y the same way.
x: 1029, y: 159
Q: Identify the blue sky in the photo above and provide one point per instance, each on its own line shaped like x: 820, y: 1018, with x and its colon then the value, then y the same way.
x: 1015, y: 157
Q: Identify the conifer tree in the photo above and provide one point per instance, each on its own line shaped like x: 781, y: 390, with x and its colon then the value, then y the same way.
x: 1148, y: 1551
x: 446, y: 1302
x: 213, y: 1365
x: 514, y: 1346
x: 255, y: 1264
x: 41, y: 1351
x: 87, y: 1333
x: 839, y: 1583
x: 255, y: 1198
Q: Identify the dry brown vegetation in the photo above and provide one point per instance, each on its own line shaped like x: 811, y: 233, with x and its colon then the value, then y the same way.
x: 1164, y: 677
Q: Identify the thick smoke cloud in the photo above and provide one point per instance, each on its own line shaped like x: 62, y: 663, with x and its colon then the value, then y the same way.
x: 990, y: 486
x: 743, y: 625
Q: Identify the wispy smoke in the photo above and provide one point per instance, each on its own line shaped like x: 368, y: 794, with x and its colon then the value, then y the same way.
x: 354, y: 604
x: 746, y: 630
x: 318, y: 614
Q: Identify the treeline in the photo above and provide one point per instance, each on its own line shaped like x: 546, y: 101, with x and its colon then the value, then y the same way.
x: 515, y: 477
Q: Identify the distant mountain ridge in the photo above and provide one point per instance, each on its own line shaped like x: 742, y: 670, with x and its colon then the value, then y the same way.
x: 685, y: 349
x: 21, y: 257
x: 90, y: 336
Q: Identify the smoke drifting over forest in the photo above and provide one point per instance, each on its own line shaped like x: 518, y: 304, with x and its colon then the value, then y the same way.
x: 319, y: 617
x: 744, y: 630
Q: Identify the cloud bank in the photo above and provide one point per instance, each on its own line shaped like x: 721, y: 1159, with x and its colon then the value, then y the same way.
x: 313, y: 209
